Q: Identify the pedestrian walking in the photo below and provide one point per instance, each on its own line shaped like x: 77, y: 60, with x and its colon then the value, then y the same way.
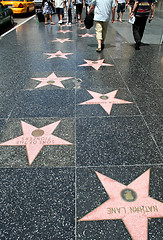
x: 69, y: 10
x: 120, y: 9
x: 142, y: 9
x: 102, y: 11
x: 60, y: 5
x: 47, y: 6
x: 80, y: 4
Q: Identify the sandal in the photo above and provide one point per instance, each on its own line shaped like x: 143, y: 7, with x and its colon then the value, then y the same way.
x: 52, y: 23
x: 46, y: 23
x: 98, y: 49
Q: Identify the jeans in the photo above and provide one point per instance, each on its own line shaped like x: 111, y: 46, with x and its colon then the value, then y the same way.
x: 69, y: 16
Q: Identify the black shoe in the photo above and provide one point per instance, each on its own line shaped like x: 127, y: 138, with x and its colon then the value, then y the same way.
x: 137, y: 46
x: 102, y: 46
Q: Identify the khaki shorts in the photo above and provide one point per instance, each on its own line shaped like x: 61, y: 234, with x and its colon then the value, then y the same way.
x: 101, y: 29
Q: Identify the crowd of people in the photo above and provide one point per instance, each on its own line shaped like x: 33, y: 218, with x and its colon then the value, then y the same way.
x: 139, y: 11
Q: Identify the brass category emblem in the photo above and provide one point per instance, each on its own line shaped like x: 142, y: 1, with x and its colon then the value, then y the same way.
x: 58, y: 55
x: 50, y: 82
x: 128, y: 195
x: 37, y: 133
x: 94, y: 62
x: 104, y: 97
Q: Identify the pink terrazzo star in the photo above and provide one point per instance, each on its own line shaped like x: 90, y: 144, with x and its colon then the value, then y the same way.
x: 130, y: 203
x: 105, y: 100
x: 86, y: 35
x: 64, y: 31
x: 57, y: 54
x: 95, y: 64
x: 62, y: 40
x: 52, y: 79
x: 35, y: 138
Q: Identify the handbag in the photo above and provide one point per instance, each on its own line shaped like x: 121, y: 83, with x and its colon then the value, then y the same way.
x: 88, y: 22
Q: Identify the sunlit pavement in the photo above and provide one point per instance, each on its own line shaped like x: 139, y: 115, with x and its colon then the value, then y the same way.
x: 81, y: 133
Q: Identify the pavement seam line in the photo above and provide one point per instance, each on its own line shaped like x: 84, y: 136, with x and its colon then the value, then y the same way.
x: 17, y: 26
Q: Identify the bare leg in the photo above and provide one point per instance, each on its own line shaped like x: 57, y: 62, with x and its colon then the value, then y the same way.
x: 60, y: 17
x: 46, y: 19
x: 80, y: 18
x: 50, y: 16
x: 121, y: 17
x: 99, y: 43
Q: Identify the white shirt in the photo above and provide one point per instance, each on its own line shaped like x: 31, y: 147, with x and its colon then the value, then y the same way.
x: 59, y: 3
x: 121, y: 1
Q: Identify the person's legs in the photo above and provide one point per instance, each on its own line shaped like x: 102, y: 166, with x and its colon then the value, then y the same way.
x: 142, y: 27
x: 98, y: 29
x: 80, y: 15
x: 80, y: 11
x: 60, y: 15
x: 69, y: 16
x: 50, y: 17
x: 118, y: 11
x: 104, y: 30
x: 46, y: 19
x: 122, y: 9
x: 77, y: 12
x: 121, y: 17
x: 136, y: 33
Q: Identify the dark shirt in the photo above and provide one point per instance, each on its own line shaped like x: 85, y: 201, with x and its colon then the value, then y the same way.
x: 143, y: 8
x: 131, y: 1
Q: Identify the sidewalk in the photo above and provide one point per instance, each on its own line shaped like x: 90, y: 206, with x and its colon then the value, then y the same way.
x: 152, y: 34
x: 81, y: 134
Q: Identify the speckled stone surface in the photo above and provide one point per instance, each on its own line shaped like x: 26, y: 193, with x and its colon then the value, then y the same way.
x: 47, y: 186
x: 37, y: 203
x: 115, y: 141
x: 57, y: 103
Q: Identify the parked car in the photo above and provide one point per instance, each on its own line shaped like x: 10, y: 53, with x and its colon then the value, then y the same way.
x: 20, y: 6
x: 6, y: 15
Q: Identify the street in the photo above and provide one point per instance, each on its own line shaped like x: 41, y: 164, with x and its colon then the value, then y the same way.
x: 18, y: 19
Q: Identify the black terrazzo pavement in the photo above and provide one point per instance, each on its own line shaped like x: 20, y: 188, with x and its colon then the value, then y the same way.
x: 46, y: 200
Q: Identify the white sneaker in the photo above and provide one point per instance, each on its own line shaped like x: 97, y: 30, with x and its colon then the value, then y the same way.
x: 60, y: 22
